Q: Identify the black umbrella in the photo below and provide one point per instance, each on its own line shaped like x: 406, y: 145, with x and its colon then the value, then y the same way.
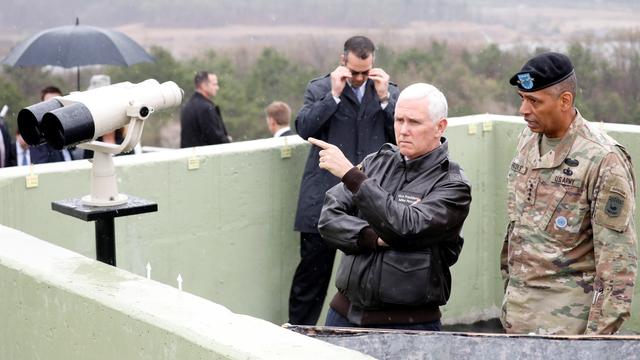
x: 75, y: 46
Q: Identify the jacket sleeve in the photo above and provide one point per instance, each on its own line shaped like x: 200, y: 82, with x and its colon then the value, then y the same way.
x: 417, y: 225
x: 504, y: 256
x: 317, y: 109
x: 615, y: 246
x: 337, y: 224
x: 511, y: 210
x: 210, y: 123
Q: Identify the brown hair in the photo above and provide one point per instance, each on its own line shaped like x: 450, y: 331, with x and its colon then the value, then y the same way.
x: 49, y: 90
x: 360, y: 46
x: 280, y: 112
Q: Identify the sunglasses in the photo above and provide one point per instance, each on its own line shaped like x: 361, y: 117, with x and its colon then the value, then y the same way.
x: 356, y: 73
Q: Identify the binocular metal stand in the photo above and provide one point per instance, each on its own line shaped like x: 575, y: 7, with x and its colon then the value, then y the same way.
x: 104, y: 203
x: 103, y: 216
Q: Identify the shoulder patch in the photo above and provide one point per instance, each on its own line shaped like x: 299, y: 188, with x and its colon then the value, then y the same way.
x: 614, y: 205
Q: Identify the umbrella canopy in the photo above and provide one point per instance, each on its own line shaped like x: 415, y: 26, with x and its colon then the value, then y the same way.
x: 75, y: 46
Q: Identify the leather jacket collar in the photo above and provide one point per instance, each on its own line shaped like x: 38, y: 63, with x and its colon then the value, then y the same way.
x: 438, y: 156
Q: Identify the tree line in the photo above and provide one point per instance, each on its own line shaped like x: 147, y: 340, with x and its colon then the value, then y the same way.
x: 474, y: 81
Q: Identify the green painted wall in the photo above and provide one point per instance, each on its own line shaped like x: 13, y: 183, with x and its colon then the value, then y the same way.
x: 227, y: 227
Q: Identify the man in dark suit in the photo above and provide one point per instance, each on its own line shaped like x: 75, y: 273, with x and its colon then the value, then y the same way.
x: 278, y: 118
x: 5, y: 142
x: 200, y: 118
x: 351, y: 108
x: 42, y: 153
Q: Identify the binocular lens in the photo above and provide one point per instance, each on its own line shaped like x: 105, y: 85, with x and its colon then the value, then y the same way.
x: 69, y: 125
x: 29, y: 120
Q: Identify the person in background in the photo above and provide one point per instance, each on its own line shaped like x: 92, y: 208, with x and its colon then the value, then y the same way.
x: 42, y: 153
x: 200, y: 119
x: 113, y: 137
x: 278, y: 118
x: 352, y: 107
x: 5, y: 142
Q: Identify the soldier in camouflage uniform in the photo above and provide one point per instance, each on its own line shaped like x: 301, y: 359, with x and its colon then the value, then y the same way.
x: 569, y: 257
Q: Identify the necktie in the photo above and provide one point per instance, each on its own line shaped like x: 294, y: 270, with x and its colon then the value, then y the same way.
x: 24, y: 157
x: 358, y: 94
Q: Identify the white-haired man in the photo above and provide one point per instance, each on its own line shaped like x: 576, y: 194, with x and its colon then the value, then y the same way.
x: 398, y: 218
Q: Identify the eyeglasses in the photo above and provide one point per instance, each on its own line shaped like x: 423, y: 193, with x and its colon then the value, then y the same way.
x: 356, y: 73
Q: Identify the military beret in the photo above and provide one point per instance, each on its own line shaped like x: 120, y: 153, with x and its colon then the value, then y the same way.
x: 542, y: 71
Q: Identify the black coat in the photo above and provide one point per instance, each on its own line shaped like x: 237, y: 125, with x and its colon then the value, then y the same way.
x: 44, y: 154
x: 6, y: 139
x: 201, y: 123
x: 418, y: 208
x: 357, y: 129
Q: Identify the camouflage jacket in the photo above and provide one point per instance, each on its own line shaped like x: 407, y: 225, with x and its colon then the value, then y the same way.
x: 569, y: 257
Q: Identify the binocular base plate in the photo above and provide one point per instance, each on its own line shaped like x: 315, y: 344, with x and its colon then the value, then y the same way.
x: 77, y: 208
x: 103, y: 216
x: 119, y: 199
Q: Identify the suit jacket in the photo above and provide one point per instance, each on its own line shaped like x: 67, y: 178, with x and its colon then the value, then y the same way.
x: 358, y: 129
x: 286, y: 133
x: 201, y: 123
x: 44, y: 153
x: 6, y: 140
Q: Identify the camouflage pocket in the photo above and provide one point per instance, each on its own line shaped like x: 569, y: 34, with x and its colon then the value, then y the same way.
x: 614, y: 205
x: 566, y: 213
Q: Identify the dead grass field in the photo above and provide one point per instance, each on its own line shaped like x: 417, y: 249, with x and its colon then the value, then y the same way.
x: 505, y: 25
x: 508, y: 25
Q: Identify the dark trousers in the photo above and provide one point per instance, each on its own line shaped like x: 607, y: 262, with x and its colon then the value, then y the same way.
x: 311, y: 280
x: 335, y: 319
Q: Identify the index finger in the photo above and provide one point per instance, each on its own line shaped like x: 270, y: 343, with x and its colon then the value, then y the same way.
x: 319, y: 143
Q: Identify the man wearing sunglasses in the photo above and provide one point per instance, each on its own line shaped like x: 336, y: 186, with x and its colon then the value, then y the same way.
x: 353, y: 108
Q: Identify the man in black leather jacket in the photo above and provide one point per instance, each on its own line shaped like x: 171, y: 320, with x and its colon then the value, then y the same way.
x: 398, y: 218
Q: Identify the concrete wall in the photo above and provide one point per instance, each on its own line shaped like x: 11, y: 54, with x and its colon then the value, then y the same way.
x: 56, y: 304
x: 227, y: 227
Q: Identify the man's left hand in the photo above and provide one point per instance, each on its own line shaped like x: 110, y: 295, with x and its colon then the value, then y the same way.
x: 331, y: 158
x: 381, y: 81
